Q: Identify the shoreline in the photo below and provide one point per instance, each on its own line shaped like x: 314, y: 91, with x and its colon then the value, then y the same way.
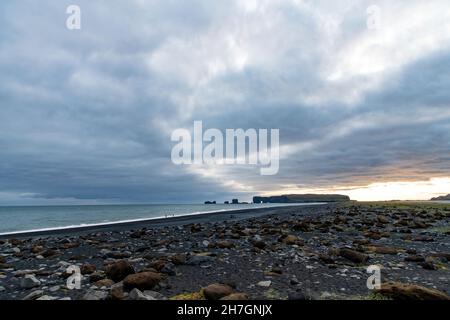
x: 198, y: 217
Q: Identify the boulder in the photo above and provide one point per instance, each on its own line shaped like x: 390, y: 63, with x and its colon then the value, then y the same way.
x: 217, y: 291
x: 155, y: 295
x: 88, y: 269
x: 34, y: 295
x: 383, y: 250
x: 119, y: 270
x: 116, y: 293
x: 29, y: 282
x: 382, y: 219
x: 104, y: 283
x: 136, y: 294
x: 352, y: 255
x: 142, y: 281
x: 414, y: 258
x: 95, y: 295
x: 403, y: 291
x: 178, y: 259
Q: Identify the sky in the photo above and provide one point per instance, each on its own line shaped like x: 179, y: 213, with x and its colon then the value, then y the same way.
x: 359, y: 91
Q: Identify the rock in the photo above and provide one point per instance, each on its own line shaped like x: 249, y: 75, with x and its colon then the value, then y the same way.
x: 291, y: 240
x: 88, y: 269
x: 301, y: 226
x: 104, y: 283
x: 169, y: 269
x: 423, y: 239
x: 155, y: 295
x: 136, y: 294
x: 178, y: 259
x: 196, y: 260
x: 217, y: 291
x: 34, y: 295
x: 224, y: 244
x: 265, y: 284
x: 352, y: 255
x: 2, y: 289
x: 382, y: 219
x: 259, y: 244
x: 71, y: 245
x: 300, y: 296
x: 158, y: 264
x: 415, y: 258
x: 2, y: 259
x: 97, y: 276
x: 49, y: 253
x: 236, y: 297
x: 15, y: 242
x: 428, y: 264
x: 54, y: 288
x: 29, y: 282
x: 326, y: 259
x: 95, y: 295
x: 142, y: 281
x: 47, y: 298
x: 383, y: 250
x: 403, y: 291
x: 119, y: 270
x: 116, y: 292
x: 444, y: 257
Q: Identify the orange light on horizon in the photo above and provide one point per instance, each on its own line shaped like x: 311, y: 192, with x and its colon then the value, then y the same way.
x: 384, y: 191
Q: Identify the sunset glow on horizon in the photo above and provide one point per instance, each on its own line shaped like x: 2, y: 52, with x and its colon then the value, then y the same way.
x: 384, y: 191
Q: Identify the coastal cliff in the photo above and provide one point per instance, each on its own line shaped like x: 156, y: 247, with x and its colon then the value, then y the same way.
x: 299, y: 198
x: 442, y: 198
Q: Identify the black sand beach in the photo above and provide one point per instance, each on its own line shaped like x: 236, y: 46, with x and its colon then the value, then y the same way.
x: 301, y: 253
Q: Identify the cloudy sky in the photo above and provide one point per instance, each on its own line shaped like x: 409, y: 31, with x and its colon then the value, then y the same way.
x: 361, y: 99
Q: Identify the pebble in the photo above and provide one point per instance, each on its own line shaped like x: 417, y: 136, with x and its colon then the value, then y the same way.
x: 265, y: 284
x: 29, y: 282
x: 34, y: 295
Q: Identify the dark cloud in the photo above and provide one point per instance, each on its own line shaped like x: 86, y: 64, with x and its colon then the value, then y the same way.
x: 87, y: 115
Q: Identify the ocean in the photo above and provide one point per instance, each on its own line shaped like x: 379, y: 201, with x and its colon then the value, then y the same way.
x: 39, y: 218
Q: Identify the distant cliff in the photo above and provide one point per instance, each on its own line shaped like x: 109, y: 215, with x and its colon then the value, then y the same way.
x: 299, y: 198
x: 442, y: 198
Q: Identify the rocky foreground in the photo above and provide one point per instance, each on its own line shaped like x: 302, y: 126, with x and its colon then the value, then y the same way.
x: 298, y: 253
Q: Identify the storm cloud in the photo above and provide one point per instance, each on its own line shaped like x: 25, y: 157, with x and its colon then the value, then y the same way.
x: 86, y: 115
